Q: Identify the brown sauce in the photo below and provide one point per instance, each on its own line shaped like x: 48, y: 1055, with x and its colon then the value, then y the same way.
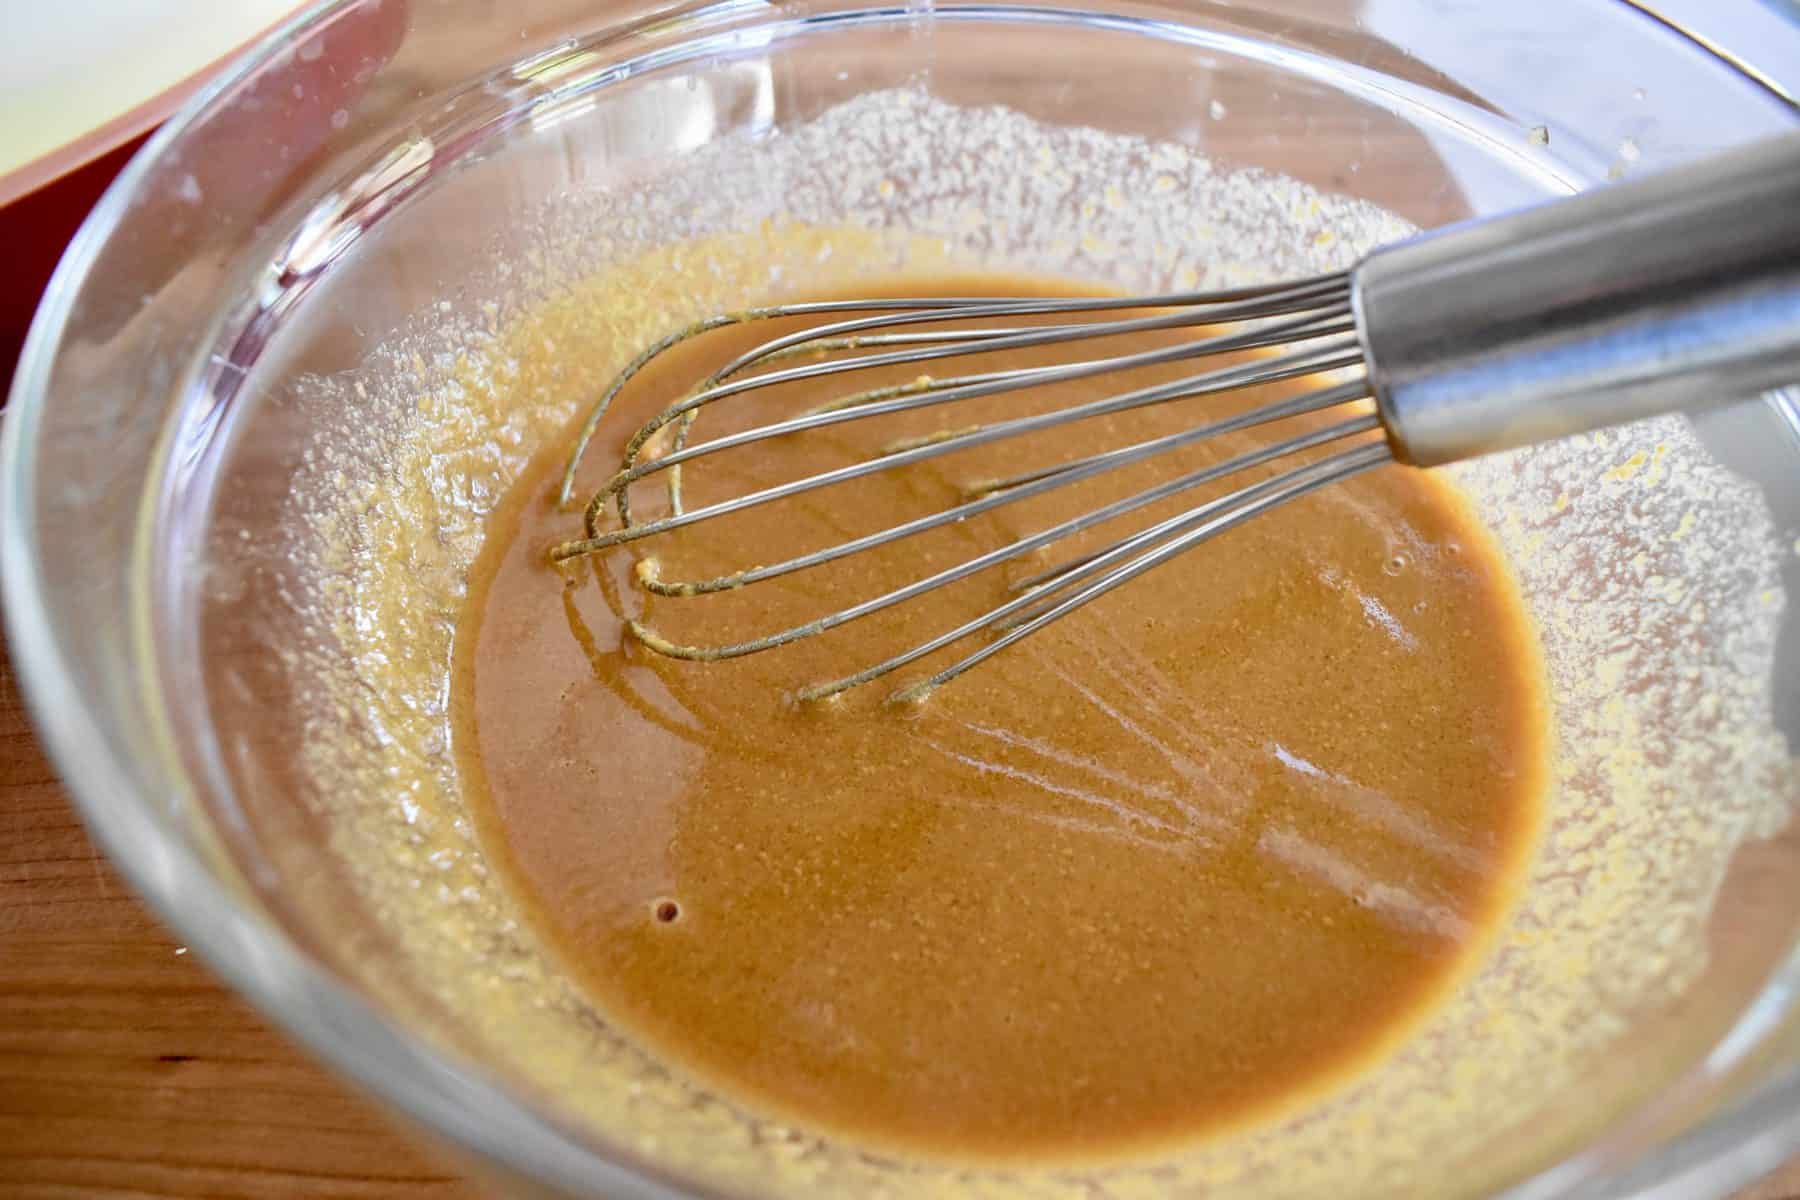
x: 1174, y: 863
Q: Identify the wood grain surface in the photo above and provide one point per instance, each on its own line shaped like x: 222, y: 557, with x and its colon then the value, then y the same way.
x: 126, y: 1070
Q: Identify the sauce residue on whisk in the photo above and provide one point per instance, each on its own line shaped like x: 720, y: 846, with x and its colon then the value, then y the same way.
x: 1173, y: 864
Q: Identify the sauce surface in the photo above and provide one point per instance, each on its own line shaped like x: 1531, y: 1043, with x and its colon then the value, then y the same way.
x: 1171, y: 864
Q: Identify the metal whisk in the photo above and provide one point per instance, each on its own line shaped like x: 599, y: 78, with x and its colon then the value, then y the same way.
x: 1674, y: 292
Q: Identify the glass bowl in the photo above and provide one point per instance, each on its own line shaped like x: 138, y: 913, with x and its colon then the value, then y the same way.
x: 282, y: 316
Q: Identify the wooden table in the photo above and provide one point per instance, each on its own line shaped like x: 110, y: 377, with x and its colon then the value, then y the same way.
x: 126, y: 1070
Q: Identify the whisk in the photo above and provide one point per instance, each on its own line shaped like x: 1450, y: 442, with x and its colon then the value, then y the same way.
x: 1677, y: 291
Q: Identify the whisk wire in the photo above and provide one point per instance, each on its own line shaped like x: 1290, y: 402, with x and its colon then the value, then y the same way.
x: 1328, y: 355
x: 982, y: 562
x: 1042, y: 482
x: 1225, y: 379
x: 929, y: 308
x: 1237, y: 508
x: 1366, y: 423
x: 1189, y: 311
x: 989, y: 619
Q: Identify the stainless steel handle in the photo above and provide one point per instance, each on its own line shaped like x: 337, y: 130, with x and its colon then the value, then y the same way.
x: 1676, y: 291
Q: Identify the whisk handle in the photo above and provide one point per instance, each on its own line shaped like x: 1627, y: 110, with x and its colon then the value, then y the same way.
x: 1672, y: 292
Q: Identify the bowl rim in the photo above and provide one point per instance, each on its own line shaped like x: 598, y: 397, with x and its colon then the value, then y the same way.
x: 438, y: 1091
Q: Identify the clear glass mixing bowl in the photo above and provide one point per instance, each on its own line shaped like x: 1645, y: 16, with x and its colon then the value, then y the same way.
x: 272, y: 318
